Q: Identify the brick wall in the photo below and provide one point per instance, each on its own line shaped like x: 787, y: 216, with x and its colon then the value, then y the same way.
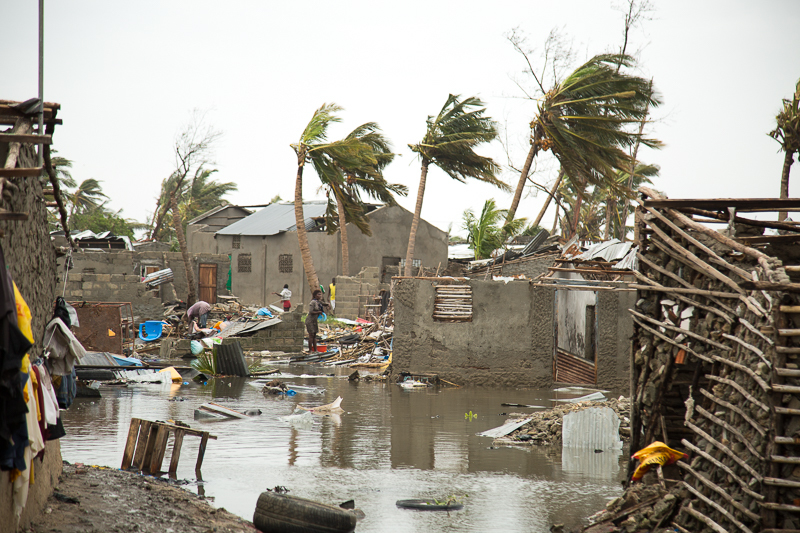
x: 531, y: 267
x: 349, y: 289
x: 116, y: 288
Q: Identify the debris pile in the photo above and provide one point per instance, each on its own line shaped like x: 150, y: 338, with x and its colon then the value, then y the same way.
x: 545, y: 427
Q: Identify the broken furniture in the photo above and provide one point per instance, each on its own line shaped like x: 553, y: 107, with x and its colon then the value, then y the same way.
x: 151, y: 330
x: 147, y: 444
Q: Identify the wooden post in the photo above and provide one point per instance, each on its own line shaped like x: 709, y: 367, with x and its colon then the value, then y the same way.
x: 141, y: 444
x: 202, y: 451
x: 130, y: 444
x: 176, y: 451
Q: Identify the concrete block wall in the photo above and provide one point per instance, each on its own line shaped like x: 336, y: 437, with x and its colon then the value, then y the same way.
x: 116, y: 288
x: 530, y: 268
x: 349, y: 289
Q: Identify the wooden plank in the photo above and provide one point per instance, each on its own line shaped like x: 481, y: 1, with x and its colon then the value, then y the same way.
x: 788, y: 372
x: 717, y: 204
x: 141, y: 444
x: 781, y: 507
x: 789, y: 332
x: 148, y: 448
x: 770, y: 239
x: 202, y: 451
x: 159, y: 448
x: 130, y: 443
x: 790, y: 389
x: 790, y: 308
x: 786, y: 349
x: 176, y: 451
x: 785, y: 460
x: 33, y: 172
x: 25, y: 138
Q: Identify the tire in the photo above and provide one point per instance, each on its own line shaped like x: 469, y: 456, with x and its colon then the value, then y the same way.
x: 428, y: 505
x: 289, y: 514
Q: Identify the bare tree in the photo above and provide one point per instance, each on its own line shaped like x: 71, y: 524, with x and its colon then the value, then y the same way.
x: 193, y: 151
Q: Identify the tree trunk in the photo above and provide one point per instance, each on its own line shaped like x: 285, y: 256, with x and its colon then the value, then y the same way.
x: 555, y: 222
x: 523, y: 177
x: 302, y: 236
x: 412, y: 237
x: 578, y: 200
x: 550, y: 197
x: 788, y: 159
x: 610, y: 204
x: 343, y: 232
x: 187, y: 262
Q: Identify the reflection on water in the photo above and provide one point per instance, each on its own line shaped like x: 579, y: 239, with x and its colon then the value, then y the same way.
x: 389, y: 444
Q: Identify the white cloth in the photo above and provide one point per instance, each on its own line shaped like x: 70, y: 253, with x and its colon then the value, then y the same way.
x: 64, y: 349
x: 36, y: 444
x: 286, y: 294
x: 51, y: 410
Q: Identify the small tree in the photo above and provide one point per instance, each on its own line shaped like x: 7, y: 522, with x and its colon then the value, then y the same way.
x: 486, y: 233
x: 787, y: 133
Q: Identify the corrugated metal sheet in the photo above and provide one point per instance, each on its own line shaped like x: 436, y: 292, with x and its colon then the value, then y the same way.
x: 610, y: 251
x: 596, y: 428
x: 274, y: 219
x: 505, y: 429
x: 230, y: 360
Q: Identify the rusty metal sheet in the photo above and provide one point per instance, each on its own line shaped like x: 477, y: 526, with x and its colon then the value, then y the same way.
x: 97, y: 319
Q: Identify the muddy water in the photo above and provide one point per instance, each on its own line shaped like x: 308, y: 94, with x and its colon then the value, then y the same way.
x: 390, y: 444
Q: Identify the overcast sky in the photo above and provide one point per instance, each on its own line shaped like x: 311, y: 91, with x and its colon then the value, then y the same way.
x: 129, y: 74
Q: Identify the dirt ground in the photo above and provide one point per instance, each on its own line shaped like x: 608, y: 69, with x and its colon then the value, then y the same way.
x: 99, y: 499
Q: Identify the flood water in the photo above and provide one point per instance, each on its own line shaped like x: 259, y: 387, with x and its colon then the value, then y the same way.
x: 389, y: 444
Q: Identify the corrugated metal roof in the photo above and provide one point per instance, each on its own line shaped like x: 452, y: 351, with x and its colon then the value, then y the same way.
x: 274, y: 219
x: 214, y: 211
x: 609, y: 250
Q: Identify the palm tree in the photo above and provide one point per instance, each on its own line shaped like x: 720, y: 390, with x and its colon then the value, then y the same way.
x: 616, y: 213
x: 583, y: 120
x: 327, y: 159
x: 364, y: 174
x: 449, y: 142
x: 485, y: 233
x: 787, y: 133
x: 88, y: 195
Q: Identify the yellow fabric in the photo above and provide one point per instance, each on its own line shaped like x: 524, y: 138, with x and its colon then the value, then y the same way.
x: 39, y: 408
x: 657, y: 453
x: 176, y: 377
x: 332, y: 289
x: 26, y: 369
x: 23, y: 314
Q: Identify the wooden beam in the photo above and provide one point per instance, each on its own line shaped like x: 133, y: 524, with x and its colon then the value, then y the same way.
x: 770, y: 239
x: 25, y: 138
x: 769, y: 286
x: 32, y: 172
x: 717, y: 204
x: 721, y: 218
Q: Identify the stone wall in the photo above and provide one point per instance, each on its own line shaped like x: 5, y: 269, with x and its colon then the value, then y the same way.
x: 31, y: 261
x: 350, y: 289
x: 510, y: 340
x: 530, y: 267
x: 116, y: 277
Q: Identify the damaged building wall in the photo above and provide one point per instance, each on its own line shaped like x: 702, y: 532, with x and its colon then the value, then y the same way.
x: 510, y: 340
x: 31, y: 261
x: 99, y: 276
x: 352, y: 292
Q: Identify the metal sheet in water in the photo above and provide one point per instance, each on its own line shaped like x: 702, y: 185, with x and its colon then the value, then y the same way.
x: 596, y: 428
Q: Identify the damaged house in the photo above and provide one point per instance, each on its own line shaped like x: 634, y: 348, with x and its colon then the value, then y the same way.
x: 265, y: 253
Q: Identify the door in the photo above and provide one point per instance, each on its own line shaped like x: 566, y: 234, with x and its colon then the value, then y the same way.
x: 208, y: 282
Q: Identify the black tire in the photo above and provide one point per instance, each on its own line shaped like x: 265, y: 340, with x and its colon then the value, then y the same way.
x: 428, y: 505
x: 290, y: 514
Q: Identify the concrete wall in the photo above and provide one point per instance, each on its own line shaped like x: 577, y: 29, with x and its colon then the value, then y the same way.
x: 350, y: 289
x: 390, y: 227
x: 510, y: 341
x: 31, y: 261
x: 116, y: 277
x: 529, y: 267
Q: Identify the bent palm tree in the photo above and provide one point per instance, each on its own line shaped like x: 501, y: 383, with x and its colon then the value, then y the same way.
x: 583, y: 120
x: 327, y: 158
x: 87, y: 196
x: 449, y: 143
x: 362, y: 174
x: 787, y: 133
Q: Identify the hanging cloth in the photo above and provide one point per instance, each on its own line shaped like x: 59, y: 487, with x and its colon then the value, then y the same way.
x: 64, y: 349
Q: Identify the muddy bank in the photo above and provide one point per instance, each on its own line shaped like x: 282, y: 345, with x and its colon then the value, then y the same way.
x: 545, y: 428
x: 100, y: 499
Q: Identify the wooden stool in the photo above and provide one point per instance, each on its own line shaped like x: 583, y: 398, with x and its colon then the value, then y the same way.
x: 147, y: 444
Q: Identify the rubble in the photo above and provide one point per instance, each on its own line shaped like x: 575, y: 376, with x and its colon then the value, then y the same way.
x: 545, y: 427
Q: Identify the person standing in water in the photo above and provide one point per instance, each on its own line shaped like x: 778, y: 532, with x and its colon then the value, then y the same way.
x: 315, y: 308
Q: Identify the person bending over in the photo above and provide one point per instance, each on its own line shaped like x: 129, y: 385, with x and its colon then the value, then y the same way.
x: 200, y: 311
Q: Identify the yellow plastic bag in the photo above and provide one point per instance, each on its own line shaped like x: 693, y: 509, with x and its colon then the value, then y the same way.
x: 657, y: 453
